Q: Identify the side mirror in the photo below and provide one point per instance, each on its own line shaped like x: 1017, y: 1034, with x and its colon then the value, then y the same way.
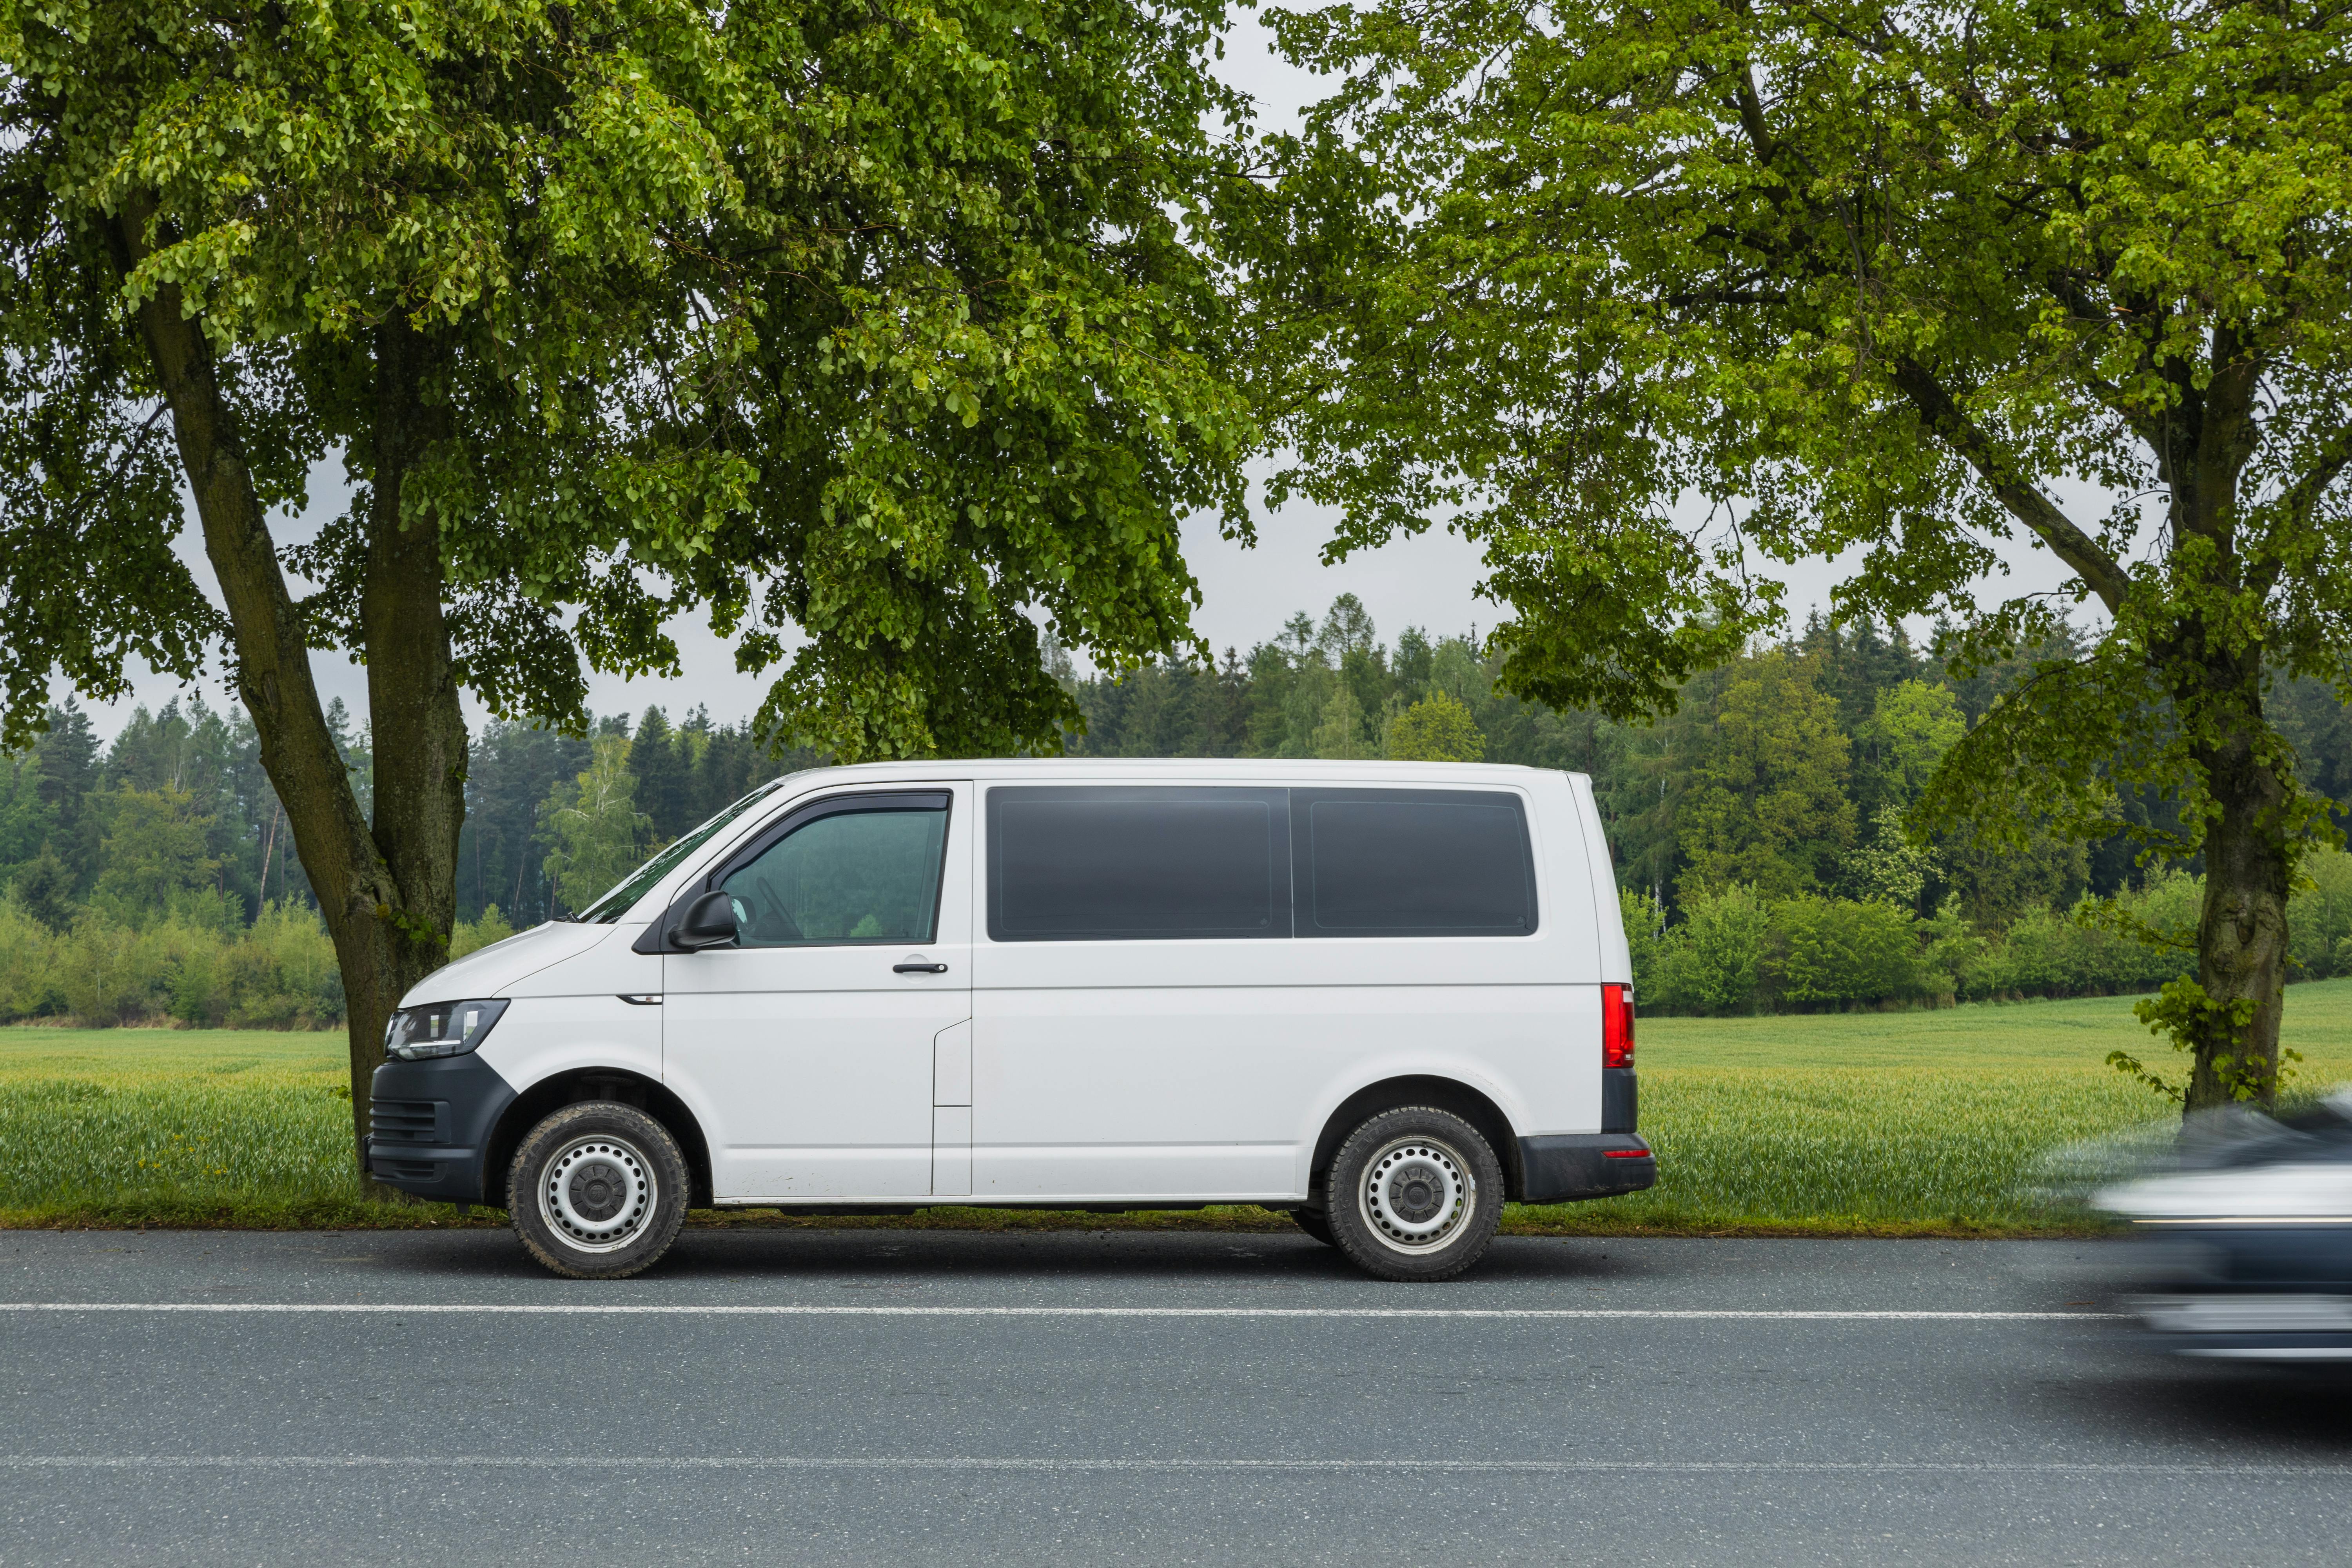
x: 710, y: 922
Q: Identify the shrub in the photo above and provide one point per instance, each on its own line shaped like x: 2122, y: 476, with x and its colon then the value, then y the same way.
x: 2319, y: 916
x: 278, y: 974
x: 1646, y: 930
x: 1712, y: 962
x: 1827, y: 951
x: 28, y: 966
x: 472, y: 936
x: 2082, y: 953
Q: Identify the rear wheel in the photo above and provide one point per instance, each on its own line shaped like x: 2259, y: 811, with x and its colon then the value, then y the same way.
x: 1415, y: 1194
x: 598, y: 1191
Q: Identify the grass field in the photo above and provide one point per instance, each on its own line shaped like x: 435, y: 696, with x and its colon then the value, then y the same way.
x: 1878, y: 1123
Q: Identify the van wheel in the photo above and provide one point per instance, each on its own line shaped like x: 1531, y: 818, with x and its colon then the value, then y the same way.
x: 597, y: 1191
x: 1416, y: 1194
x: 1315, y: 1223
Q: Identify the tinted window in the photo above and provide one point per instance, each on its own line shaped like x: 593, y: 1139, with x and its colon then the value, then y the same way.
x: 1068, y: 864
x: 1412, y: 863
x: 856, y: 875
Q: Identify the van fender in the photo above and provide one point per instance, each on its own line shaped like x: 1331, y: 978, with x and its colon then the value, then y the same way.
x: 1449, y: 1082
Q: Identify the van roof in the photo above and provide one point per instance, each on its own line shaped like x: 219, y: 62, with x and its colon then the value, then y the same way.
x: 1272, y: 770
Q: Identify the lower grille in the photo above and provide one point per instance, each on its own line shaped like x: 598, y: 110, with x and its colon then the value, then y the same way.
x: 405, y: 1121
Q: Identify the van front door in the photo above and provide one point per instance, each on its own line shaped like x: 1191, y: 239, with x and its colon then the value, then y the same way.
x: 807, y: 1049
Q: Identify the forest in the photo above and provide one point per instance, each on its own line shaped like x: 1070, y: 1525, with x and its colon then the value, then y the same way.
x: 1764, y: 854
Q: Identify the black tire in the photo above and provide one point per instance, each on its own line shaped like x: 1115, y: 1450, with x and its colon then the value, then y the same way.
x: 597, y: 1191
x: 1315, y: 1223
x: 1415, y: 1194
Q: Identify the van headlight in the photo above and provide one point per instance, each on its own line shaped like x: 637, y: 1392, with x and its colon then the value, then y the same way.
x: 439, y: 1029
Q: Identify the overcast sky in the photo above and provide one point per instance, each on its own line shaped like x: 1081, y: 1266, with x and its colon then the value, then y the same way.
x: 1428, y: 580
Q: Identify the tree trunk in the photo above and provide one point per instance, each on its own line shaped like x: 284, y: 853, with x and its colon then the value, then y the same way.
x: 388, y: 898
x: 2242, y: 949
x: 417, y: 725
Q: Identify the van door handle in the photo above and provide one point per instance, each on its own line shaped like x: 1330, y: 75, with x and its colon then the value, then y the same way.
x: 919, y: 969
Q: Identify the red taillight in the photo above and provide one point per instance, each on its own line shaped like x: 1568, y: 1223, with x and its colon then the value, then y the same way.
x: 1616, y: 1025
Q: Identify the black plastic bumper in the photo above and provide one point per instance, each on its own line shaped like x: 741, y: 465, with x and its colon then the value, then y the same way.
x: 1564, y: 1167
x: 432, y: 1125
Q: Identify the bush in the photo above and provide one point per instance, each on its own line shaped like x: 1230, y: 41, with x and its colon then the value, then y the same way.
x: 28, y: 966
x: 472, y: 936
x: 1646, y: 931
x: 278, y: 974
x: 1834, y: 951
x: 1712, y: 962
x: 2319, y: 917
x: 2082, y: 953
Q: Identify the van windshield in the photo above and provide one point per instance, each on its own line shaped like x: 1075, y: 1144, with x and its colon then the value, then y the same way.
x: 616, y: 903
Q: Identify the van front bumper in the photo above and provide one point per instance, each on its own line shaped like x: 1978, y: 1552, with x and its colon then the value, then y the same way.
x: 430, y: 1126
x: 1565, y: 1167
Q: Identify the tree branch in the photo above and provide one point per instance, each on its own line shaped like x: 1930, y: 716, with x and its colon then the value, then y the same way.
x: 2024, y: 500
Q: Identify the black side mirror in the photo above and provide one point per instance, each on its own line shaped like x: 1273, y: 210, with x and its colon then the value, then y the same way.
x: 710, y: 922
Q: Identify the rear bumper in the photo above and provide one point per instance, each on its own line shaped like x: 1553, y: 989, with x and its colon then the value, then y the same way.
x: 1565, y: 1167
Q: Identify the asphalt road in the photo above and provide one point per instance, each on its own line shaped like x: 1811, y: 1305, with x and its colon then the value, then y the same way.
x: 930, y: 1397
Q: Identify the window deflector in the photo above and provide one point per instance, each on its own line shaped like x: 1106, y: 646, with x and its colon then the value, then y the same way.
x: 657, y: 939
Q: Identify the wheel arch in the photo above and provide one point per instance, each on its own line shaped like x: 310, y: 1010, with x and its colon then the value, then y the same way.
x: 575, y: 1085
x: 1472, y: 1105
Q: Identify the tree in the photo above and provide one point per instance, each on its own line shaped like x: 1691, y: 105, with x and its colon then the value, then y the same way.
x: 1338, y: 730
x: 1658, y: 296
x: 1767, y: 808
x: 599, y: 833
x: 44, y: 888
x: 1890, y: 869
x: 1911, y: 729
x: 661, y: 773
x: 1437, y: 728
x: 878, y: 321
x: 154, y: 855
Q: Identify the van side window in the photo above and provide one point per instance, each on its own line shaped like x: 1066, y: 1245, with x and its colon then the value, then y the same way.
x: 1395, y: 862
x: 846, y: 877
x: 1081, y: 863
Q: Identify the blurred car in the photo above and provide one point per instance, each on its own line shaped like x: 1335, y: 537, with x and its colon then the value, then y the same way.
x: 2246, y: 1239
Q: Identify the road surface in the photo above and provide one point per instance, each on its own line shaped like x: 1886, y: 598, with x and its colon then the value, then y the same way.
x: 913, y: 1397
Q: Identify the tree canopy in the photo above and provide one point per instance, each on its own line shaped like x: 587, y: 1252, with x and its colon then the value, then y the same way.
x: 1652, y: 301
x: 874, y: 328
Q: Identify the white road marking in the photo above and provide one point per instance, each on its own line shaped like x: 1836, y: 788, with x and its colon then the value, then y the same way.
x: 600, y: 1462
x: 689, y: 1309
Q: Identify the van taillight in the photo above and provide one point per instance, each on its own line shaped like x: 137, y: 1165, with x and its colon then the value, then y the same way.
x: 1616, y: 1025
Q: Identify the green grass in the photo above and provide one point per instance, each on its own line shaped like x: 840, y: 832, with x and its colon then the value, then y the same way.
x: 1897, y: 1124
x: 1885, y: 1123
x: 171, y: 1127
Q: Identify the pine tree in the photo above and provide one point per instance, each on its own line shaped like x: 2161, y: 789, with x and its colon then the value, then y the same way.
x: 663, y: 786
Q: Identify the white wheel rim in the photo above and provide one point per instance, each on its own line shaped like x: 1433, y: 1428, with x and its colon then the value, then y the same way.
x: 597, y: 1194
x: 1417, y: 1195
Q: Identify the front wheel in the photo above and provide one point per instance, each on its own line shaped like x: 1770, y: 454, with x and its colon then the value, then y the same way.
x: 598, y: 1190
x: 1416, y: 1194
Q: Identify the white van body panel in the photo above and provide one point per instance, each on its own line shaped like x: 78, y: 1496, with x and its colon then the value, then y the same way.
x: 1120, y: 1068
x: 811, y: 1069
x: 504, y: 968
x: 1079, y: 1071
x: 542, y: 1036
x: 1609, y: 917
x: 563, y: 982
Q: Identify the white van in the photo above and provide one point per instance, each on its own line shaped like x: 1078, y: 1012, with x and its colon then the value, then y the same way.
x: 1384, y: 996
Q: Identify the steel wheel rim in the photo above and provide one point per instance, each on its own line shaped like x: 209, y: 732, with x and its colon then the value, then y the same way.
x: 597, y: 1194
x: 1417, y: 1195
